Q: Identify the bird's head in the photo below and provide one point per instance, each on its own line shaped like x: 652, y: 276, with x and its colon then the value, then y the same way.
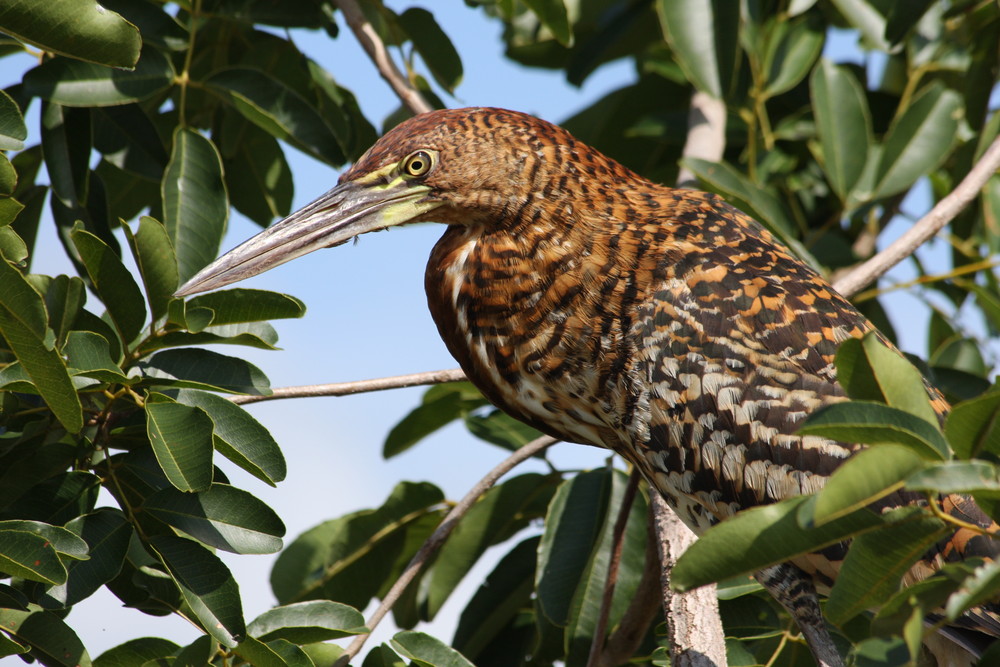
x: 458, y: 166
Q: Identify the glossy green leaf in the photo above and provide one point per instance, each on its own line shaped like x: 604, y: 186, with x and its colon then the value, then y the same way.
x: 704, y: 39
x: 844, y: 124
x: 223, y: 517
x: 207, y: 586
x: 759, y: 537
x: 239, y: 436
x: 52, y: 641
x: 956, y: 477
x: 195, y: 203
x: 277, y: 109
x: 13, y: 131
x: 154, y: 255
x: 497, y: 515
x: 21, y: 315
x: 114, y: 284
x: 441, y: 405
x: 918, y: 140
x: 136, y: 652
x: 260, y: 335
x: 308, y: 622
x: 434, y: 47
x: 8, y: 175
x: 504, y: 592
x: 12, y: 246
x: 348, y: 559
x: 792, y: 52
x: 876, y: 424
x: 107, y: 533
x: 426, y: 651
x: 94, y: 34
x: 232, y: 306
x: 28, y: 555
x: 63, y: 540
x: 864, y: 478
x: 864, y: 16
x: 202, y: 369
x: 74, y: 83
x: 182, y: 441
x: 572, y: 526
x: 972, y: 426
x: 554, y: 16
x: 877, y: 561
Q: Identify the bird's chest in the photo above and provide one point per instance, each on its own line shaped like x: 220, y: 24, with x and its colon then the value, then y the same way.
x: 527, y: 330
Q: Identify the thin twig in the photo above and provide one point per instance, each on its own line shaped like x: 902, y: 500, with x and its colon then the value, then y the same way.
x: 617, y: 542
x: 376, y: 50
x: 929, y: 225
x: 435, y: 541
x: 356, y: 387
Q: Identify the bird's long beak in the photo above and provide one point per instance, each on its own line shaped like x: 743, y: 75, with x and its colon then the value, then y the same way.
x: 350, y: 209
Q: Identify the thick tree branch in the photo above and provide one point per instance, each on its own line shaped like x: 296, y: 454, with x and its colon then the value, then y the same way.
x: 356, y: 387
x: 706, y: 138
x: 929, y: 225
x: 376, y: 50
x: 438, y: 537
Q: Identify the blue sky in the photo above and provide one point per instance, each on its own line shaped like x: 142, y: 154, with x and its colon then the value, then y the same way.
x: 367, y: 318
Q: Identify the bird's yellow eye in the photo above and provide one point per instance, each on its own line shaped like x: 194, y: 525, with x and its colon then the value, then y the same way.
x: 418, y: 164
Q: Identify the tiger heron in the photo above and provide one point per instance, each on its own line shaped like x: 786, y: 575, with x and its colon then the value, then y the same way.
x: 604, y: 309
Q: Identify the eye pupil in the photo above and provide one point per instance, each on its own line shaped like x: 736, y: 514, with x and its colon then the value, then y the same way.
x: 418, y: 164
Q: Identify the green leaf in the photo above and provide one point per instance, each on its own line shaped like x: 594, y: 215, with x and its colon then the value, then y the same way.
x: 107, y: 533
x: 207, y: 586
x: 154, y: 255
x: 223, y: 517
x: 434, y: 47
x: 202, y: 369
x: 113, y: 283
x: 876, y: 424
x: 704, y: 37
x: 195, y: 203
x: 58, y: 499
x: 864, y: 16
x: 554, y: 16
x: 442, y: 404
x: 74, y: 83
x: 977, y: 589
x: 956, y: 477
x: 237, y: 305
x: 971, y: 426
x: 277, y: 109
x: 66, y: 145
x: 53, y: 642
x: 426, y: 651
x: 501, y: 429
x: 182, y: 442
x: 496, y: 516
x: 844, y: 125
x: 275, y: 653
x: 136, y: 652
x: 792, y: 52
x: 26, y: 554
x: 918, y: 140
x: 383, y: 656
x: 64, y: 299
x: 64, y: 541
x: 22, y: 323
x: 239, y: 437
x: 13, y: 131
x: 759, y: 537
x: 8, y: 175
x: 258, y: 177
x: 864, y: 478
x: 308, y: 622
x: 877, y: 561
x: 128, y: 139
x: 93, y: 34
x: 260, y: 335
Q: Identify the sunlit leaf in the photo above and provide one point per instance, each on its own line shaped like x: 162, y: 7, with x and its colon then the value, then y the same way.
x: 52, y: 641
x: 13, y: 131
x: 76, y: 83
x: 972, y: 426
x: 876, y: 424
x: 203, y: 369
x: 553, y: 15
x: 703, y: 36
x: 308, y: 622
x: 844, y: 124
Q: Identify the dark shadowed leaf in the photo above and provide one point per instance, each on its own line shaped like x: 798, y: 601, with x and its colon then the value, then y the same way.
x: 182, y: 441
x: 207, y: 586
x: 792, y: 53
x: 113, y: 282
x: 972, y: 426
x: 500, y: 429
x: 89, y: 355
x: 136, y: 652
x: 258, y: 178
x: 844, y: 124
x: 52, y: 641
x: 195, y: 204
x: 81, y: 84
x: 128, y: 139
x: 239, y: 437
x: 426, y: 651
x: 308, y: 622
x: 223, y: 517
x: 154, y: 255
x: 759, y: 537
x: 107, y: 533
x: 94, y: 34
x: 442, y: 404
x: 203, y: 369
x: 877, y: 424
x: 434, y: 47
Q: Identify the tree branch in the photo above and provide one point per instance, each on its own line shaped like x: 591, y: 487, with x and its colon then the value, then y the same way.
x: 356, y: 387
x: 929, y: 225
x: 437, y: 538
x: 706, y: 138
x: 376, y: 50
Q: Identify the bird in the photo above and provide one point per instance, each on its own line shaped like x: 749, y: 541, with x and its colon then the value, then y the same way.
x: 604, y: 309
